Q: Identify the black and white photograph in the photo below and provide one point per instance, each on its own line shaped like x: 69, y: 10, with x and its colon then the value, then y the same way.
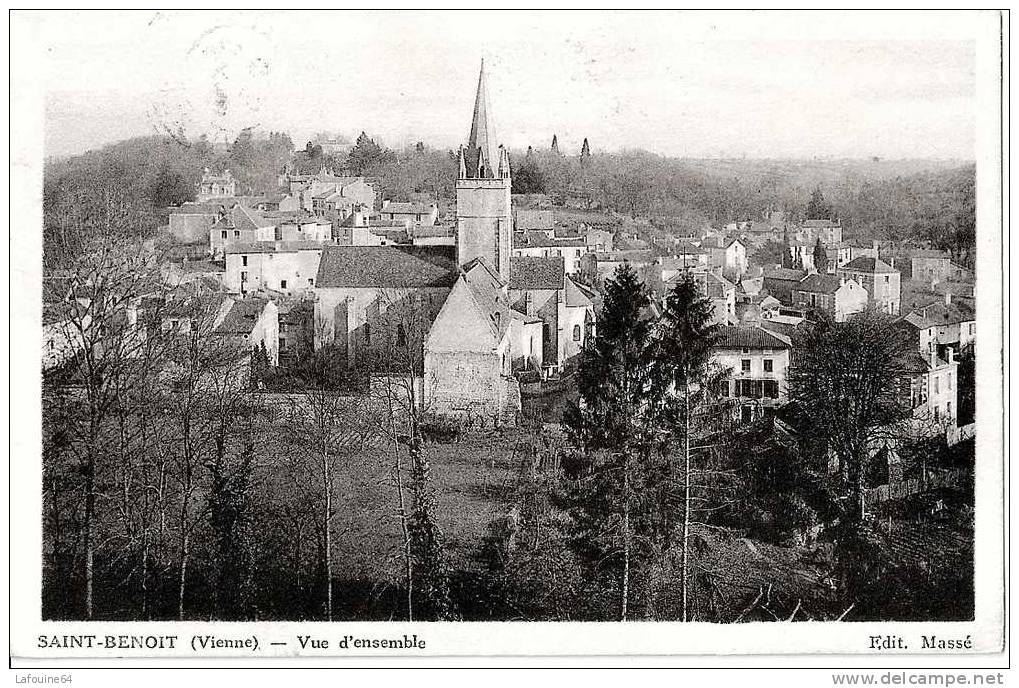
x: 608, y: 317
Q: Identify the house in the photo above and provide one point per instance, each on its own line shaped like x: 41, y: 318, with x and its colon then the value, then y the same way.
x: 243, y: 322
x: 933, y: 385
x: 190, y: 223
x: 953, y: 321
x: 284, y: 267
x: 828, y: 231
x: 780, y: 282
x: 240, y: 226
x: 838, y: 255
x: 300, y: 226
x: 930, y: 266
x: 214, y: 186
x: 730, y: 255
x: 881, y: 280
x: 757, y: 361
x: 537, y: 244
x: 838, y: 296
x: 61, y: 340
x: 598, y: 240
x: 535, y: 221
x: 436, y: 235
x: 539, y: 287
x: 413, y: 212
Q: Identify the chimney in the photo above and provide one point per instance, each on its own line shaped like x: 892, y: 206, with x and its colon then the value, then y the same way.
x: 948, y: 298
x: 951, y: 355
x: 934, y: 357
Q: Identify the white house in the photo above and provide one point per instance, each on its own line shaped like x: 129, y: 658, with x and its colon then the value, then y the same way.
x: 278, y: 266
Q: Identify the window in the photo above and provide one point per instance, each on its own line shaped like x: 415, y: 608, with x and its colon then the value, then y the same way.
x: 936, y: 381
x: 367, y: 333
x: 401, y: 335
x: 937, y: 414
x: 546, y: 332
x: 886, y: 279
x: 244, y: 277
x: 283, y: 343
x: 949, y: 380
x: 948, y: 409
x: 244, y: 261
x: 771, y: 389
x: 311, y: 281
x: 745, y: 365
x: 769, y: 365
x: 283, y: 284
x: 576, y: 333
x: 224, y: 234
x: 236, y: 234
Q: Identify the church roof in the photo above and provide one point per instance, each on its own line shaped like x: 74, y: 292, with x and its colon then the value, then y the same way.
x: 387, y: 267
x: 527, y: 272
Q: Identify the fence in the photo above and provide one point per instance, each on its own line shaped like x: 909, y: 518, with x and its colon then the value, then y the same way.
x: 934, y: 479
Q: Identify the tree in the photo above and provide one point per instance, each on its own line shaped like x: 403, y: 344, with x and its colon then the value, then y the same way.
x: 613, y: 426
x: 848, y: 378
x: 820, y: 257
x: 366, y: 157
x: 817, y: 207
x: 684, y: 353
x: 528, y: 179
x: 170, y: 188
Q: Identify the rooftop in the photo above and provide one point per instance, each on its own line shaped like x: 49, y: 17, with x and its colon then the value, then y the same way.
x: 749, y: 337
x: 528, y: 272
x: 387, y: 267
x: 866, y: 264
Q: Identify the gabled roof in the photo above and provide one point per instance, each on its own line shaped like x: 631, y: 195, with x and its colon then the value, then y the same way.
x: 243, y: 315
x: 387, y: 267
x: 787, y: 274
x: 273, y: 247
x: 749, y: 337
x: 537, y: 239
x: 951, y: 314
x: 407, y: 208
x: 193, y: 208
x: 820, y: 284
x: 577, y: 296
x: 916, y: 321
x: 527, y: 272
x: 866, y: 264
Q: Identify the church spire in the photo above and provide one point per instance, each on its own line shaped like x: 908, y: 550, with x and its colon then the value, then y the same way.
x: 481, y: 143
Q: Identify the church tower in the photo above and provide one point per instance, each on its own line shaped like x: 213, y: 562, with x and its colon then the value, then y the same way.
x: 484, y: 218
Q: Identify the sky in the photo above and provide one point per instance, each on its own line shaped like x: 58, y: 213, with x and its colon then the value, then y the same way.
x: 701, y: 84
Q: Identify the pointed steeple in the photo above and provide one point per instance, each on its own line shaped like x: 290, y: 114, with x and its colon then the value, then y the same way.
x: 585, y: 150
x: 481, y: 142
x: 555, y: 144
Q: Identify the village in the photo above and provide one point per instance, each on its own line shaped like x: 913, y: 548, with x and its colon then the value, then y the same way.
x: 476, y: 317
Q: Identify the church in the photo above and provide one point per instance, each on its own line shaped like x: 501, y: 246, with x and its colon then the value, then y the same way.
x: 469, y: 319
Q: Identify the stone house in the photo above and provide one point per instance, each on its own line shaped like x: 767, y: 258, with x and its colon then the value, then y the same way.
x: 881, y: 280
x: 190, y: 223
x: 215, y: 186
x: 758, y: 365
x: 838, y: 296
x: 240, y: 226
x: 730, y: 256
x: 426, y: 214
x: 285, y: 267
x: 536, y: 244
